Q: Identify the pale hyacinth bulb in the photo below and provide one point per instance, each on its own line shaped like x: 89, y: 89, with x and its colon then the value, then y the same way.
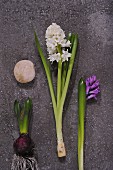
x: 55, y: 36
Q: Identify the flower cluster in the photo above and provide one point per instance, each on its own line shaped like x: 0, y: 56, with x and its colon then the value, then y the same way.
x: 92, y: 87
x: 55, y: 37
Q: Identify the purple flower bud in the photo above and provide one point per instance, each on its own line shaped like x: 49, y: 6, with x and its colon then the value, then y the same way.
x: 92, y: 87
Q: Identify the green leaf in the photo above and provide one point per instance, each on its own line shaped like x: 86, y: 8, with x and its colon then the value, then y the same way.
x: 81, y: 105
x: 64, y: 73
x: 44, y: 61
x: 48, y: 74
x: 71, y: 38
x: 27, y: 106
x: 17, y: 108
x: 70, y: 67
x: 26, y: 110
x: 81, y: 115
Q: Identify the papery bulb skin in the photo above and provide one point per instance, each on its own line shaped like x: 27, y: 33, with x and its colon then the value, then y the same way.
x: 24, y: 145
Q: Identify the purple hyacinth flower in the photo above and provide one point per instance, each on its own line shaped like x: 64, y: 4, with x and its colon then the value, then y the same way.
x: 92, y: 87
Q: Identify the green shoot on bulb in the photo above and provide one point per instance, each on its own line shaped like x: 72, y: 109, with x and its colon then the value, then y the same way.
x: 23, y: 115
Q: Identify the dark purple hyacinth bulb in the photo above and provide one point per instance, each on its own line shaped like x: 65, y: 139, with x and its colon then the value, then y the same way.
x: 24, y: 145
x: 92, y: 87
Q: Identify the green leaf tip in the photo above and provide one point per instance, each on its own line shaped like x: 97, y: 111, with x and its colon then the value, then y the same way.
x: 81, y: 81
x: 35, y: 35
x: 17, y: 108
x: 28, y: 104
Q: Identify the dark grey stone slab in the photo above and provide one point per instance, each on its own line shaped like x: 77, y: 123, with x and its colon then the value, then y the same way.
x: 93, y: 21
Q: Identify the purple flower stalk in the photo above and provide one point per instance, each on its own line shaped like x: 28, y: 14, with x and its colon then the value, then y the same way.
x: 92, y: 87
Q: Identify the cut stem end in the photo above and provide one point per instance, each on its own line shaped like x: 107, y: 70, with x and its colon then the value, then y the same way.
x: 61, y: 149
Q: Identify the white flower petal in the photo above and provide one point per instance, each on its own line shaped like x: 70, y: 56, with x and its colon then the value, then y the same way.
x: 55, y: 57
x: 65, y: 56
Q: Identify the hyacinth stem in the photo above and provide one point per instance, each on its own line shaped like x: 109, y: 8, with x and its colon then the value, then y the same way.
x: 59, y: 82
x: 62, y: 100
x: 59, y: 77
x: 64, y: 73
x: 60, y: 144
x: 81, y: 115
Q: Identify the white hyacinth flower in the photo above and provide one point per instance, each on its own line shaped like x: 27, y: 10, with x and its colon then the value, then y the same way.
x: 66, y: 43
x: 65, y: 55
x: 55, y: 57
x: 54, y: 30
x: 55, y: 36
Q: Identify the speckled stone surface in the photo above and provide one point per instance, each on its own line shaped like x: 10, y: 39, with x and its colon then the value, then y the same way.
x: 93, y: 21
